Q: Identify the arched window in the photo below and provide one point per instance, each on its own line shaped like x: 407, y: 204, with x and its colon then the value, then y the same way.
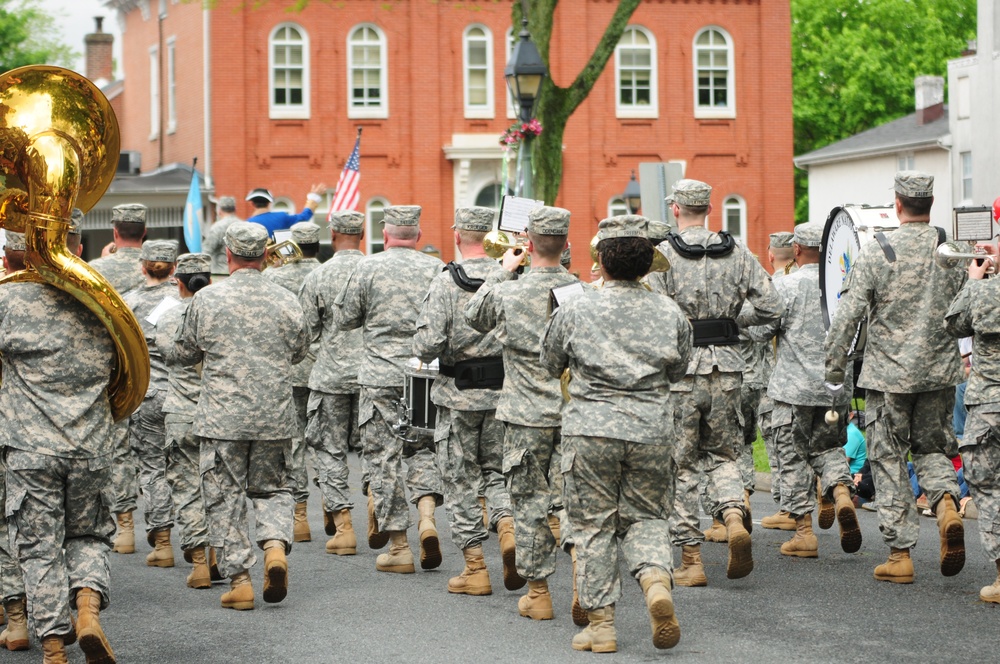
x: 734, y: 217
x: 490, y: 196
x: 714, y: 90
x: 477, y: 46
x: 617, y: 206
x: 635, y: 74
x: 367, y: 73
x: 283, y: 204
x: 375, y: 215
x: 288, y: 48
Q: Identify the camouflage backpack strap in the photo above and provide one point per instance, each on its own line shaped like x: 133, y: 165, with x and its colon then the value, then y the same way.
x: 883, y: 241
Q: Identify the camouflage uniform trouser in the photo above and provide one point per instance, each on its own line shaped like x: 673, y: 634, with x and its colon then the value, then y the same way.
x: 332, y: 429
x: 149, y: 443
x: 470, y: 455
x: 124, y: 474
x: 918, y: 423
x: 527, y: 461
x: 817, y: 449
x: 749, y: 402
x: 981, y: 461
x: 11, y: 581
x: 242, y: 469
x: 764, y: 418
x: 386, y: 452
x: 60, y: 518
x: 707, y: 421
x: 298, y: 475
x: 183, y: 462
x: 616, y: 493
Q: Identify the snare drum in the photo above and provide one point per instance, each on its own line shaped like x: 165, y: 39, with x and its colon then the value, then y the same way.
x: 418, y: 378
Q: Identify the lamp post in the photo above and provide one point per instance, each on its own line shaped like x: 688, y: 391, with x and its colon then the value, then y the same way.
x: 632, y: 195
x: 524, y: 73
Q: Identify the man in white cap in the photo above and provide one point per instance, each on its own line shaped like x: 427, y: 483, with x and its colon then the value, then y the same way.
x: 261, y: 199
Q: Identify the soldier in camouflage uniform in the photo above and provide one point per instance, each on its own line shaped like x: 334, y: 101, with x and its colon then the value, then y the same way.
x: 291, y: 275
x: 146, y: 429
x: 911, y: 367
x: 58, y: 447
x: 710, y: 277
x: 530, y: 401
x: 468, y: 437
x: 801, y: 403
x: 332, y: 411
x: 623, y: 346
x: 247, y: 332
x: 183, y: 447
x: 383, y: 298
x: 123, y: 271
x: 975, y: 312
x: 214, y: 244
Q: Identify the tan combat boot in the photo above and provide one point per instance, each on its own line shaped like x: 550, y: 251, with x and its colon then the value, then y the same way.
x: 213, y: 566
x: 399, y: 560
x: 430, y: 546
x: 579, y: 615
x: 952, y: 532
x: 125, y: 539
x: 827, y: 509
x: 88, y: 628
x: 991, y: 593
x: 717, y: 533
x: 475, y: 578
x: 537, y: 604
x: 691, y: 573
x: 162, y: 554
x: 240, y: 595
x: 301, y: 532
x: 200, y: 576
x: 54, y: 650
x: 376, y: 538
x: 780, y: 521
x: 747, y: 512
x: 599, y: 635
x: 803, y: 544
x: 655, y: 584
x: 275, y: 572
x: 344, y: 542
x: 555, y: 527
x: 898, y: 569
x: 15, y: 636
x: 508, y: 553
x: 329, y: 524
x: 847, y: 519
x: 740, y: 561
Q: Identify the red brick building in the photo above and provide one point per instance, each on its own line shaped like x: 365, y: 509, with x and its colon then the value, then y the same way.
x: 271, y: 98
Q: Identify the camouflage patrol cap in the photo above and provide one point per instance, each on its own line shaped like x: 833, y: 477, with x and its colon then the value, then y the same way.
x: 227, y: 203
x: 246, y: 239
x: 193, y: 264
x: 809, y: 235
x: 402, y: 215
x: 477, y: 219
x: 75, y: 221
x: 13, y: 241
x: 305, y: 232
x: 781, y: 240
x: 567, y: 256
x: 914, y: 184
x: 690, y: 193
x: 128, y: 213
x: 547, y: 220
x: 657, y: 231
x: 347, y: 222
x: 622, y: 225
x: 164, y: 251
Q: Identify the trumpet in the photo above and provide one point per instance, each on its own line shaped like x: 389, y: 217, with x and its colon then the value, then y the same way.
x: 497, y: 242
x: 660, y: 262
x: 950, y: 255
x: 275, y: 256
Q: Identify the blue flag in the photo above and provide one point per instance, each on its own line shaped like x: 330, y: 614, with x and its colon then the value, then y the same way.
x: 192, y: 216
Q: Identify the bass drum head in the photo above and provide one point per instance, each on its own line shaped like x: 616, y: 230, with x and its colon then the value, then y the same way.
x: 839, y: 250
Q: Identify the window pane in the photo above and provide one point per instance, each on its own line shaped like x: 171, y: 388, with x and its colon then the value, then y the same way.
x: 477, y: 55
x: 295, y: 55
x: 279, y: 95
x: 296, y: 95
x: 295, y: 78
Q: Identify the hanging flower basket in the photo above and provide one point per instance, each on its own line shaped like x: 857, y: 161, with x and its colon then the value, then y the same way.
x: 511, y: 139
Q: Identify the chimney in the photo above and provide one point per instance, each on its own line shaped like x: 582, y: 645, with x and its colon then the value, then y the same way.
x: 98, y: 57
x: 930, y: 98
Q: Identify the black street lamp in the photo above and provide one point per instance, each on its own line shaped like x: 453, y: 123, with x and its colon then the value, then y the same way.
x: 633, y: 195
x: 524, y: 73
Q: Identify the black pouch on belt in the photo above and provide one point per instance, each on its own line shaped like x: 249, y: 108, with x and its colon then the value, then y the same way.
x: 715, y: 332
x: 485, y: 373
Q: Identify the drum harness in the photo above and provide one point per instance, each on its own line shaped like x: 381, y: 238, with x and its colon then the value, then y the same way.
x: 709, y: 331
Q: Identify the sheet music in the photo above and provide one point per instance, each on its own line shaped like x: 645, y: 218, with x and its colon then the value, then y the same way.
x: 514, y: 213
x: 165, y: 305
x: 281, y: 236
x: 563, y: 294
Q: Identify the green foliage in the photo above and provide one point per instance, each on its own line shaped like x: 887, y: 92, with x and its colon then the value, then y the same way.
x: 760, y: 462
x: 28, y: 36
x: 854, y: 62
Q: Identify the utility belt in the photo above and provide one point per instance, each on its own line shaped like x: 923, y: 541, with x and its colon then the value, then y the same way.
x: 485, y: 373
x: 715, y: 332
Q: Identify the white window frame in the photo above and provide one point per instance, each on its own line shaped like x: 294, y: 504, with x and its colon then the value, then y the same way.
x: 373, y: 239
x: 965, y: 164
x: 906, y: 161
x: 382, y: 110
x: 617, y: 206
x: 478, y: 110
x: 509, y: 38
x: 652, y: 110
x: 710, y: 112
x: 283, y: 204
x: 288, y: 111
x: 735, y: 202
x: 154, y: 92
x: 171, y: 85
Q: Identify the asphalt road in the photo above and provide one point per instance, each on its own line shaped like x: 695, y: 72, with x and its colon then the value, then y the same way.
x: 341, y: 609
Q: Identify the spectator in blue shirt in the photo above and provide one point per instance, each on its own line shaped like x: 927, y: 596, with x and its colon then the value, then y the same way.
x: 855, y: 449
x: 261, y: 200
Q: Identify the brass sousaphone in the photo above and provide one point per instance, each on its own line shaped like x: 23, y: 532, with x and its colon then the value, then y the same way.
x: 59, y: 145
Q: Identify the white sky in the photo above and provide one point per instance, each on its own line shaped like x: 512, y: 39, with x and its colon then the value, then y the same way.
x: 75, y: 18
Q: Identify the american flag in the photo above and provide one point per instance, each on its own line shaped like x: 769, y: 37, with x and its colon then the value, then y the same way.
x: 347, y: 195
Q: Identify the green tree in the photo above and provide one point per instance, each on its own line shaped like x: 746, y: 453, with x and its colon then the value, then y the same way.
x: 28, y: 36
x: 854, y: 62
